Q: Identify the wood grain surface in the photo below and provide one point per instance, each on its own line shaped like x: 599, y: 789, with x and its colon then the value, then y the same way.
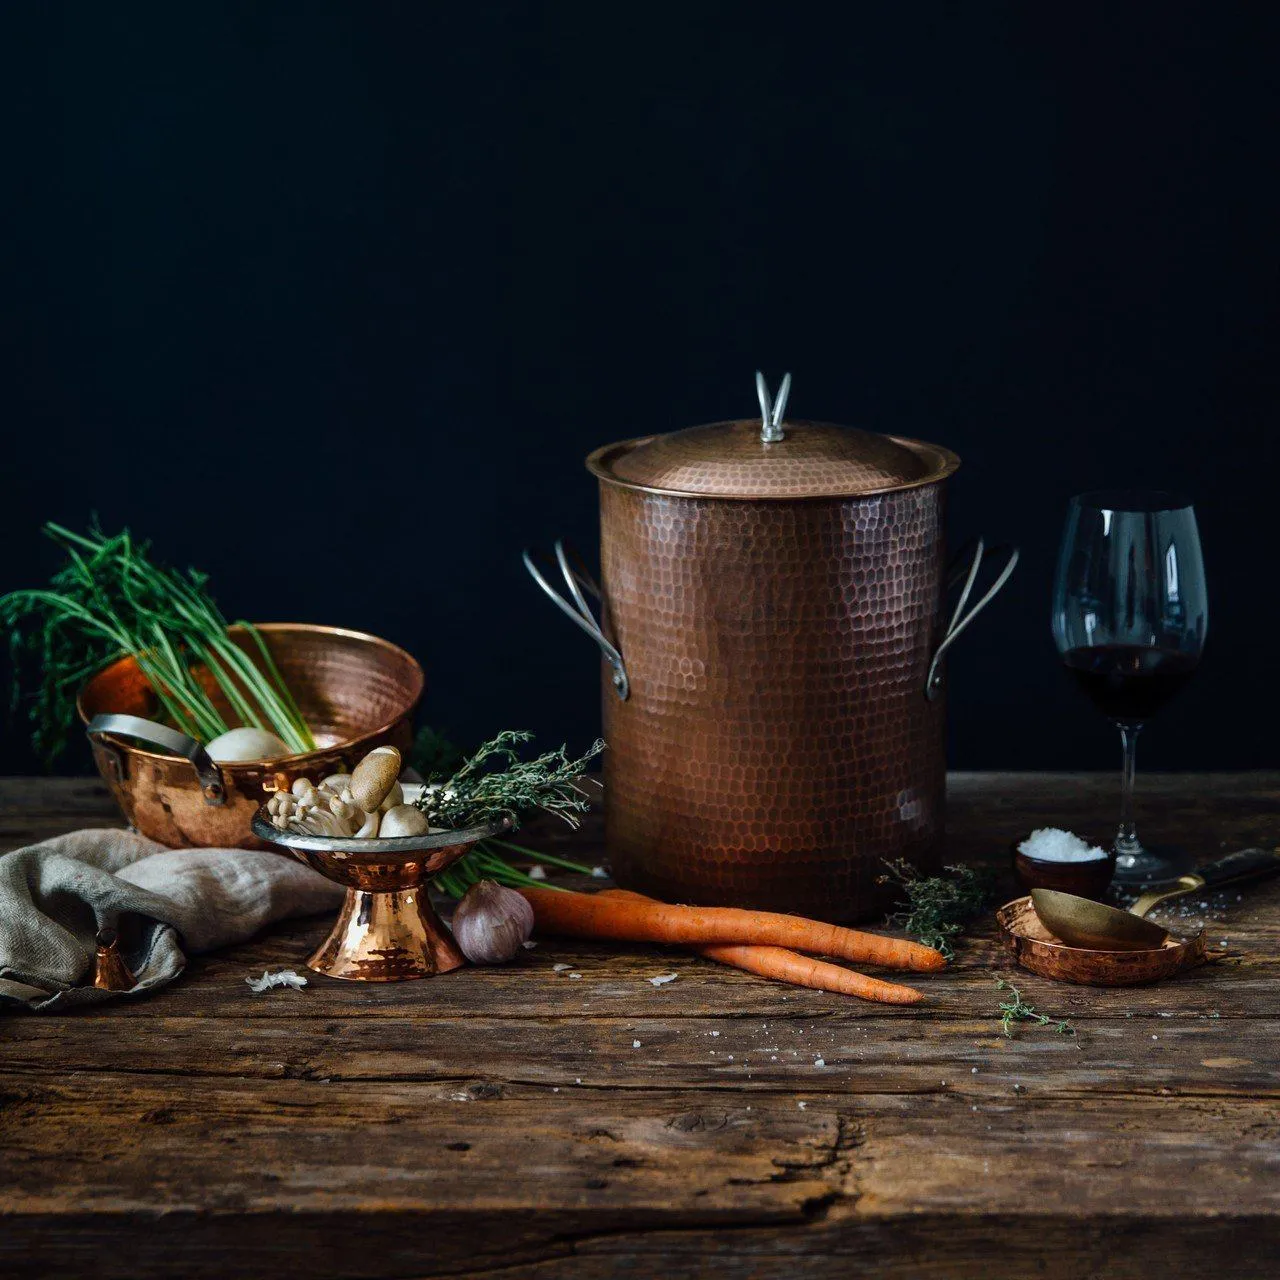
x: 526, y: 1122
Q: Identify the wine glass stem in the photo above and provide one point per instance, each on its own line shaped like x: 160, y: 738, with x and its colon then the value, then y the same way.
x: 1127, y: 841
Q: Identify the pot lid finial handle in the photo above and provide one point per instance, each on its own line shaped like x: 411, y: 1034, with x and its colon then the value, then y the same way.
x: 771, y: 410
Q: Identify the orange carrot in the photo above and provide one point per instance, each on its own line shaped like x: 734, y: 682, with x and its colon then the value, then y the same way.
x: 798, y: 970
x: 805, y: 971
x: 585, y: 915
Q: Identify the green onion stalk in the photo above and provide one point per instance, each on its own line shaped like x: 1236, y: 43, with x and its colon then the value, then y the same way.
x: 110, y: 600
x: 488, y: 861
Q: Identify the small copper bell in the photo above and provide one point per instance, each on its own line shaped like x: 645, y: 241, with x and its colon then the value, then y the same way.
x: 110, y: 973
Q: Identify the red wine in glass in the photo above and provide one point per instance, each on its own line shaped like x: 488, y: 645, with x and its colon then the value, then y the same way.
x: 1130, y: 612
x: 1129, y: 683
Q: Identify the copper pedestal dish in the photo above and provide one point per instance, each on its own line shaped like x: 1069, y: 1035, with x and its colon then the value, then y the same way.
x: 356, y: 692
x: 387, y: 929
x: 773, y: 631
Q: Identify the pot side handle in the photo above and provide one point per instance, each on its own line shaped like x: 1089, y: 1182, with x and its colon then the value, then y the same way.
x: 212, y: 786
x: 960, y: 619
x: 577, y: 579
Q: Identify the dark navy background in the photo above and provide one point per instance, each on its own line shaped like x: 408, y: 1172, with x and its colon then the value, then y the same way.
x: 330, y: 299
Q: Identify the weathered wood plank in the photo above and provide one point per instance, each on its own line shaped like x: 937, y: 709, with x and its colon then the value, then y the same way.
x: 296, y: 1160
x: 1122, y: 1057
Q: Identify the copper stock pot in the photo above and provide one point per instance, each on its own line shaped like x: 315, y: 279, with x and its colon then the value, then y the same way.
x: 771, y: 623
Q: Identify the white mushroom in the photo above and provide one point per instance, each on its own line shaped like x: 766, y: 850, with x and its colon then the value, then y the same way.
x: 404, y: 820
x: 370, y: 827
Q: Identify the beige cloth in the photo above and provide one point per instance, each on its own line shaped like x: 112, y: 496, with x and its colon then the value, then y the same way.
x: 165, y: 903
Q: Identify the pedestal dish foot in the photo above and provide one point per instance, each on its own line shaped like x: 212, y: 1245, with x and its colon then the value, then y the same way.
x: 386, y: 937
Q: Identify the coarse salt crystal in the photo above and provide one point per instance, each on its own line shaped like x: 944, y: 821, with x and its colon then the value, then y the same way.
x: 537, y: 873
x: 819, y: 1062
x: 561, y: 968
x: 663, y: 978
x: 635, y: 1044
x: 1052, y: 844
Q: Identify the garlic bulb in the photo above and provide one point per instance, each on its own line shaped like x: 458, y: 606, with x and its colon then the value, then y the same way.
x: 491, y: 923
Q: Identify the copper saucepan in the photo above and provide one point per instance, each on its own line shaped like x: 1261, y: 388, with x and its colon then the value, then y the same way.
x: 356, y: 692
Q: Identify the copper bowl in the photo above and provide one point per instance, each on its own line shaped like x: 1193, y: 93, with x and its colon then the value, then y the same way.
x: 356, y: 692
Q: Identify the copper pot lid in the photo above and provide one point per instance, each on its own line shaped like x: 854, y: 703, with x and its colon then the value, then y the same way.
x: 770, y: 457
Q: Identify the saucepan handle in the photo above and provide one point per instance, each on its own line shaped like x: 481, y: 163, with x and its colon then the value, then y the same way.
x: 212, y: 786
x: 967, y: 567
x: 578, y: 580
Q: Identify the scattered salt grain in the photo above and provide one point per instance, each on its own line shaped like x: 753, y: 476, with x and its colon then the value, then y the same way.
x: 529, y: 946
x: 537, y: 873
x: 575, y: 975
x: 1052, y: 844
x: 561, y: 968
x: 715, y: 1033
x: 663, y: 978
x: 599, y: 873
x: 801, y: 1105
x: 635, y: 1044
x: 819, y: 1062
x: 281, y: 978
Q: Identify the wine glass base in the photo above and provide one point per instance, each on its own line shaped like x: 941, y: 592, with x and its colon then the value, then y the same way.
x: 1154, y: 866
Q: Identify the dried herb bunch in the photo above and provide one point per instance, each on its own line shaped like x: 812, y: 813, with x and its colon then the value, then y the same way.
x: 1018, y: 1010
x: 483, y: 790
x: 937, y: 908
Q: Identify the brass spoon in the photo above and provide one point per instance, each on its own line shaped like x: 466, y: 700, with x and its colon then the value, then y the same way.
x: 1081, y: 922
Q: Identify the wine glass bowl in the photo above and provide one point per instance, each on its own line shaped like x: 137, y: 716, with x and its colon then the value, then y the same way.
x: 1130, y: 613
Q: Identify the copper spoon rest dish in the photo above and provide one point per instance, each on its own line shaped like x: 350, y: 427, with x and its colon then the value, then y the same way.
x: 1036, y: 949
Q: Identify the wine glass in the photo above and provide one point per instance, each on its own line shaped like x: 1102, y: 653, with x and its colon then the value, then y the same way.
x: 1130, y: 611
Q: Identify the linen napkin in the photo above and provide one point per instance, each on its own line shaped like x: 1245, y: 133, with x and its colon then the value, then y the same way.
x: 165, y: 903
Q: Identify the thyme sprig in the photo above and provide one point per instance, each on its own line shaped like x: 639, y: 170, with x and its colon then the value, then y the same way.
x: 481, y: 790
x: 937, y: 908
x: 1018, y: 1010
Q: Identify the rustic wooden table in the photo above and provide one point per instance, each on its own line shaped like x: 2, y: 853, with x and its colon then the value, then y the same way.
x: 535, y: 1122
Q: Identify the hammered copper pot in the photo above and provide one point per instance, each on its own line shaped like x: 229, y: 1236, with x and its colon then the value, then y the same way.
x: 356, y: 692
x: 772, y: 624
